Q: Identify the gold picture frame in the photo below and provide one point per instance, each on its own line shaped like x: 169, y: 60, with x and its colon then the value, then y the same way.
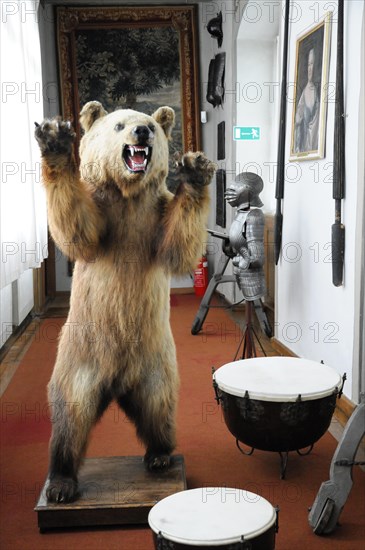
x: 312, y: 92
x: 110, y: 54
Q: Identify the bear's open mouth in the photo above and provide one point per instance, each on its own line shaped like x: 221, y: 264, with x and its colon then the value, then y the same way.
x: 136, y: 157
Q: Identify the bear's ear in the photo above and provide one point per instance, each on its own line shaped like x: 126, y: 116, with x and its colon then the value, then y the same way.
x: 165, y: 116
x: 91, y: 112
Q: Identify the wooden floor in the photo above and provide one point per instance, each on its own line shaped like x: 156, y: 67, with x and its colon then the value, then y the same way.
x: 14, y: 350
x: 59, y: 306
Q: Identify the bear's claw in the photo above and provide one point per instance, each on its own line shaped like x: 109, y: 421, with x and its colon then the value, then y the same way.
x: 157, y: 463
x: 62, y: 489
x: 195, y: 168
x: 55, y: 136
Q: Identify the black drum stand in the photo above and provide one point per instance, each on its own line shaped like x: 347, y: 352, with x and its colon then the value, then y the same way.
x: 283, y: 456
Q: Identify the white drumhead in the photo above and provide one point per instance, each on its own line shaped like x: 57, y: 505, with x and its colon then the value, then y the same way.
x: 211, y: 516
x: 278, y: 379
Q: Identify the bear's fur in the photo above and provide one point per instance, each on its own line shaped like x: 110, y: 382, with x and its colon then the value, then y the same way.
x: 127, y: 234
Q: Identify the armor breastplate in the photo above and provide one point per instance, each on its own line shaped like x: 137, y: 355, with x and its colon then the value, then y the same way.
x: 237, y: 231
x: 246, y: 236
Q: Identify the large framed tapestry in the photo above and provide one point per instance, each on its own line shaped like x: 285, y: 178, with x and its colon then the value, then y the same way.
x: 132, y: 57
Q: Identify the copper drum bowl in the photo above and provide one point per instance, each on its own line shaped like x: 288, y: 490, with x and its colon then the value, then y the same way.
x: 277, y: 403
x: 214, y: 518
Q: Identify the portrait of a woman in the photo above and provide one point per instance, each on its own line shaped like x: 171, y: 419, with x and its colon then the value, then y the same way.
x: 307, y: 113
x: 311, y: 92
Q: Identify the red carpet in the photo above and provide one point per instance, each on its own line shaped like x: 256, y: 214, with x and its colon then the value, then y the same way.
x: 211, y: 457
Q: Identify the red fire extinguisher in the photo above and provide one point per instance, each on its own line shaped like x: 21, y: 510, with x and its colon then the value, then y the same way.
x: 201, y: 276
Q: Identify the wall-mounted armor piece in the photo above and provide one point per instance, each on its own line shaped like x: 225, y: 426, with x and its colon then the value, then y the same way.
x: 215, y: 89
x: 214, y: 28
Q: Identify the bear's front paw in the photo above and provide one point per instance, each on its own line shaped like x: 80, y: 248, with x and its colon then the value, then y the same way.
x: 62, y: 489
x: 157, y: 463
x: 54, y: 136
x: 195, y: 168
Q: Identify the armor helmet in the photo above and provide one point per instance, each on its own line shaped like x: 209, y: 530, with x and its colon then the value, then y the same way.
x: 244, y: 190
x: 214, y: 27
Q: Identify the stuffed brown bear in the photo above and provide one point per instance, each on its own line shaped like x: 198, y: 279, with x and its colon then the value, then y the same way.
x: 114, y: 216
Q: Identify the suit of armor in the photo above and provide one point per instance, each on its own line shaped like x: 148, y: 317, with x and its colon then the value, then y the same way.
x: 246, y: 235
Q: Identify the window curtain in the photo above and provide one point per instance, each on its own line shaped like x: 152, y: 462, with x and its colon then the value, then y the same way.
x: 22, y: 198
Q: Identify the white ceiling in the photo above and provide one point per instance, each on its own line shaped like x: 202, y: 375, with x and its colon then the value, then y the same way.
x: 261, y: 20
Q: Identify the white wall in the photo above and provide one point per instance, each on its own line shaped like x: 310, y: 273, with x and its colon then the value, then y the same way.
x: 314, y: 318
x: 231, y: 16
x: 258, y: 67
x: 257, y: 106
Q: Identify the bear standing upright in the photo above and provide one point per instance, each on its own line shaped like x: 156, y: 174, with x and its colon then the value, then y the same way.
x: 127, y: 234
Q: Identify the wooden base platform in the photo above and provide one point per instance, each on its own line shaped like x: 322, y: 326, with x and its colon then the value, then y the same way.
x: 113, y: 491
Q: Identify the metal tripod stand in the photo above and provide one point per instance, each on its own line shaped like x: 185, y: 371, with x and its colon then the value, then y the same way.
x: 249, y: 335
x: 219, y: 278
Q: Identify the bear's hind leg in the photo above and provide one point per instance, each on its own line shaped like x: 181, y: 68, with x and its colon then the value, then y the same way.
x: 71, y: 424
x: 152, y: 409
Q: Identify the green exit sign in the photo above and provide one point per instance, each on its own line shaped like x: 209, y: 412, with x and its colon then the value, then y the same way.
x: 251, y: 133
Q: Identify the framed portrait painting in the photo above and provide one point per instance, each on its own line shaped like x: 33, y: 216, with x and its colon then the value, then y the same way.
x: 311, y: 92
x: 132, y: 57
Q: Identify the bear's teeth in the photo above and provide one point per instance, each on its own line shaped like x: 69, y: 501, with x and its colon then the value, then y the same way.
x: 139, y: 166
x: 133, y: 149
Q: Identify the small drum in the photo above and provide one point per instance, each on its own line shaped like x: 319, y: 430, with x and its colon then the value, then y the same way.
x: 277, y: 403
x: 213, y: 518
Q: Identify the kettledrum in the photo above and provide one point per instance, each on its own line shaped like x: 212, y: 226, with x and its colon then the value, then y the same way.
x: 214, y: 518
x: 277, y: 404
